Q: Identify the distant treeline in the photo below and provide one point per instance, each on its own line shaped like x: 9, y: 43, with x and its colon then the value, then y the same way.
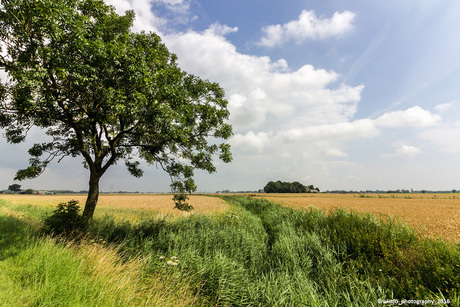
x: 392, y: 191
x: 289, y: 187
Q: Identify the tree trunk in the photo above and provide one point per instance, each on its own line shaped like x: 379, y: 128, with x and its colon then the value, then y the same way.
x: 93, y: 195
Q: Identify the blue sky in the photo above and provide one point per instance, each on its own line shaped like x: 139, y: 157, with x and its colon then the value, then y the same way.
x: 341, y: 94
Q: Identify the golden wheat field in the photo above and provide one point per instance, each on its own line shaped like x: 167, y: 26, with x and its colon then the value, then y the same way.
x: 126, y: 206
x: 432, y: 214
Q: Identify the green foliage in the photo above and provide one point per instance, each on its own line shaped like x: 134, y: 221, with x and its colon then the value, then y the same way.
x: 65, y: 220
x: 14, y: 187
x: 104, y: 93
x: 288, y: 187
x: 180, y: 201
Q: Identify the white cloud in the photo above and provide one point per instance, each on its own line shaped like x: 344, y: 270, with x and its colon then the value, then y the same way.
x: 145, y: 16
x: 221, y: 30
x: 445, y: 137
x: 177, y: 6
x: 308, y: 26
x: 251, y: 142
x: 445, y: 106
x: 413, y: 117
x: 258, y: 88
x: 336, y: 153
x: 288, y: 114
x: 363, y: 128
x: 404, y: 151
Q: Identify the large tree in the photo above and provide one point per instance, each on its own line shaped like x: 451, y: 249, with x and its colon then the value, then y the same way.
x: 100, y: 91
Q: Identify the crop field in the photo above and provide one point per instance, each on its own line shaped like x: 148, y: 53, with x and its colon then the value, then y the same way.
x: 432, y: 214
x: 129, y: 207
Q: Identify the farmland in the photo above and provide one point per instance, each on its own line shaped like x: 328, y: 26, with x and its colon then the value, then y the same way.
x: 232, y: 250
x: 432, y: 214
x: 129, y: 207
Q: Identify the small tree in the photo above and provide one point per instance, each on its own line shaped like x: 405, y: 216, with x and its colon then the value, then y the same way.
x: 104, y: 93
x: 15, y: 187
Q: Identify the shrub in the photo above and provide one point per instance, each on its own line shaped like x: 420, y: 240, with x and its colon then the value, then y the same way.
x: 65, y: 220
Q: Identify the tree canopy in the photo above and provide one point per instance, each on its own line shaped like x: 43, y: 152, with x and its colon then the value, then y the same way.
x: 102, y: 92
x: 288, y: 187
x: 14, y: 187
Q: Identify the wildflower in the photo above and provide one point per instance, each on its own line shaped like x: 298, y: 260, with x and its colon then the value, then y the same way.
x: 162, y: 257
x: 172, y: 262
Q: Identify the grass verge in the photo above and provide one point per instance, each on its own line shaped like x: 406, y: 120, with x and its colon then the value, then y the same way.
x: 39, y: 271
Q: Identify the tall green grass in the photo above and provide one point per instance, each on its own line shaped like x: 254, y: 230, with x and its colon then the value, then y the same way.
x: 260, y: 253
x: 39, y: 271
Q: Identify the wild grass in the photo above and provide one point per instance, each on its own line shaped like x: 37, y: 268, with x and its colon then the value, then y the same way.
x: 260, y: 253
x: 37, y: 271
x: 257, y: 253
x: 433, y: 215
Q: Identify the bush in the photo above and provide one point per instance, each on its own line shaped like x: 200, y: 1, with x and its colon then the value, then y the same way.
x: 65, y: 220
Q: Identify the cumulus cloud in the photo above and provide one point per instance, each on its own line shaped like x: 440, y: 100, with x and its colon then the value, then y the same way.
x: 258, y: 87
x: 404, y: 151
x: 282, y: 112
x: 308, y: 26
x: 413, y: 117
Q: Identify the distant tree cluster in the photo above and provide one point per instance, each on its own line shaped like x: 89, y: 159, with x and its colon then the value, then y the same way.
x: 288, y: 187
x: 16, y: 188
